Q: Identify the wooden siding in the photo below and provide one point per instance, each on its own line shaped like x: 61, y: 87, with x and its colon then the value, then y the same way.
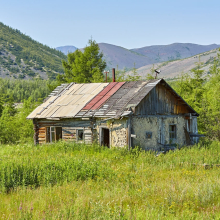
x: 69, y: 129
x: 162, y: 100
x: 42, y: 135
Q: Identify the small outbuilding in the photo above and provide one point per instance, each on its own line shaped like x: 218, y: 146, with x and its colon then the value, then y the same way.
x: 149, y: 114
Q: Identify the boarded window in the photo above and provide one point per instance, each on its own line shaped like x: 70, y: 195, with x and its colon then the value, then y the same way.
x: 172, y: 132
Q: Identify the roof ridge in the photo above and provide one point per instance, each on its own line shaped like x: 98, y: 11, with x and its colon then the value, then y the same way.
x: 122, y: 109
x: 148, y: 84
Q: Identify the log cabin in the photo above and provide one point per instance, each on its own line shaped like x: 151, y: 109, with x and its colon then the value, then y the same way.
x: 148, y: 114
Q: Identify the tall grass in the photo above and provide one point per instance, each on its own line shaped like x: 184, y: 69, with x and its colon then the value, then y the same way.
x: 76, y: 181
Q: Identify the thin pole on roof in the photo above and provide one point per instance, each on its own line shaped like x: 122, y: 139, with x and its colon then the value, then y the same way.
x: 106, y: 75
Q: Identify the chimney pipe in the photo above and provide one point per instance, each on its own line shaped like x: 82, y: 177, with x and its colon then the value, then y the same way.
x: 113, y: 74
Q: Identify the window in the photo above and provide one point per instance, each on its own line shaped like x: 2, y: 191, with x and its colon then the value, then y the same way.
x: 172, y: 132
x: 148, y: 134
x: 53, y: 134
x: 80, y: 135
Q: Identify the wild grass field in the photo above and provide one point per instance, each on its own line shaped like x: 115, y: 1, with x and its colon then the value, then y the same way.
x: 76, y: 181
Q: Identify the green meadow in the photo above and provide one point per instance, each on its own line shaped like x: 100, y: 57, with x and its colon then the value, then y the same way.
x: 76, y: 181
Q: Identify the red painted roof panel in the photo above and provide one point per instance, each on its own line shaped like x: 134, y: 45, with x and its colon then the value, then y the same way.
x: 109, y: 94
x: 99, y: 96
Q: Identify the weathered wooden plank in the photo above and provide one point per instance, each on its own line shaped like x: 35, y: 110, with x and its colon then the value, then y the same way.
x: 42, y: 129
x: 69, y: 136
x: 41, y: 136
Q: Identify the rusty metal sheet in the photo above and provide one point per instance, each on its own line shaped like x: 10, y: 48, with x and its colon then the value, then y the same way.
x: 113, y: 90
x: 99, y: 88
x: 116, y: 101
x: 99, y: 96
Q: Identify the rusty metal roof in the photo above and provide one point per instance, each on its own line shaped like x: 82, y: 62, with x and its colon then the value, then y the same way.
x: 108, y: 100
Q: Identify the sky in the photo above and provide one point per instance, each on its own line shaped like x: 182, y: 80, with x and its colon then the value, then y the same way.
x: 126, y: 23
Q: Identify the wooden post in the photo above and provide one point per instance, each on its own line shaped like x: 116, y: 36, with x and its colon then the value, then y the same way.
x: 129, y: 133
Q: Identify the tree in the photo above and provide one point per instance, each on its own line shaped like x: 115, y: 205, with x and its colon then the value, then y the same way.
x: 151, y: 74
x: 1, y: 106
x: 134, y: 75
x: 84, y: 66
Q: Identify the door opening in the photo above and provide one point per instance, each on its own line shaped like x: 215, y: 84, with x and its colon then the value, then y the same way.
x: 104, y: 137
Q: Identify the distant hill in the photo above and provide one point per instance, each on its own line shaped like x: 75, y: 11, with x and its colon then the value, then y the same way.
x: 171, y: 69
x: 120, y: 57
x: 66, y: 49
x: 176, y: 51
x: 24, y: 58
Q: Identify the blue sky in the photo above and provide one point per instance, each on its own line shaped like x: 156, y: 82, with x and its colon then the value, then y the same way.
x: 126, y: 23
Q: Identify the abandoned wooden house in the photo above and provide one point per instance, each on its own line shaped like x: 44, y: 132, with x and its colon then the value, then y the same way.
x: 149, y: 114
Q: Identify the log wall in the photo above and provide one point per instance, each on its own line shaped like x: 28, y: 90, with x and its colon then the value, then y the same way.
x: 69, y: 129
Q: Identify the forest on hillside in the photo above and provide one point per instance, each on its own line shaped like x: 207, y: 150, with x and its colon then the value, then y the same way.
x: 21, y: 57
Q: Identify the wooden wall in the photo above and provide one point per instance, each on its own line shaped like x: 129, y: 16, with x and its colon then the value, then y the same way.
x: 162, y: 100
x: 69, y: 129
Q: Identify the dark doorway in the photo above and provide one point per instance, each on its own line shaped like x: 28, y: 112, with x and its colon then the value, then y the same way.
x: 106, y: 137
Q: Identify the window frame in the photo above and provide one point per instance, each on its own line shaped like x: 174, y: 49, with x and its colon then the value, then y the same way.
x: 77, y: 135
x: 172, y: 132
x: 52, y: 130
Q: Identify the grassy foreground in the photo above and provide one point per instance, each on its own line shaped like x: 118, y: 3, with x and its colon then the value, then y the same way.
x: 73, y: 181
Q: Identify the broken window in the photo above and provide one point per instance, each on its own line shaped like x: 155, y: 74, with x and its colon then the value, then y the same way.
x: 80, y: 135
x: 172, y: 133
x: 53, y: 133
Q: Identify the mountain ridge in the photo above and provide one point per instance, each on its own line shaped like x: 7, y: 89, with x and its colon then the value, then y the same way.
x: 66, y: 49
x: 120, y: 57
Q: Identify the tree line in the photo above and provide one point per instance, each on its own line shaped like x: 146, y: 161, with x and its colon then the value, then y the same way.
x: 198, y: 90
